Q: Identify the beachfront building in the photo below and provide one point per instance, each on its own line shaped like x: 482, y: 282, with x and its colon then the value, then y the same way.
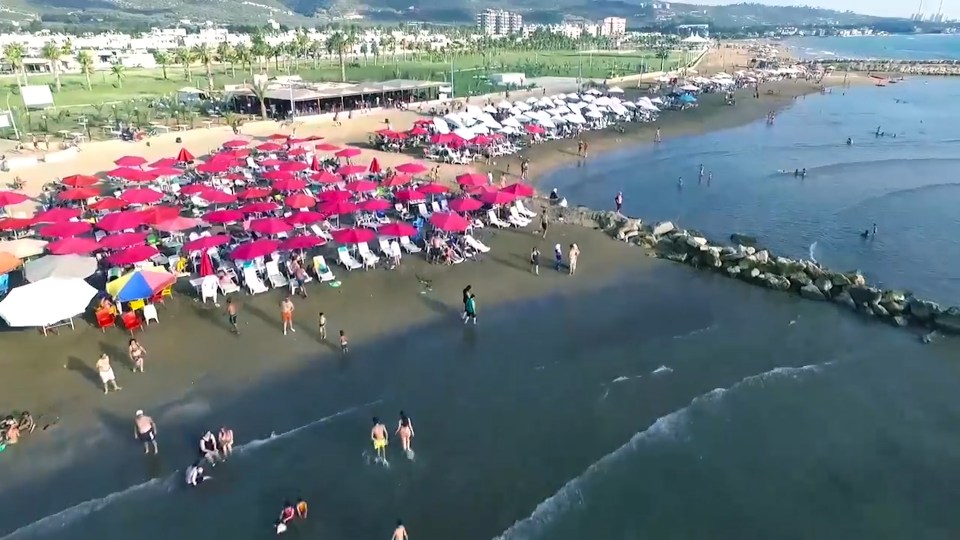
x: 613, y: 27
x: 498, y: 22
x: 308, y: 98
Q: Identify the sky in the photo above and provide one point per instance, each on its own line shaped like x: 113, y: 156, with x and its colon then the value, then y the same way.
x: 887, y: 8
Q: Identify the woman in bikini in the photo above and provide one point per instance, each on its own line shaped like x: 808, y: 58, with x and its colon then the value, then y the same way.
x: 136, y: 352
x: 405, y: 431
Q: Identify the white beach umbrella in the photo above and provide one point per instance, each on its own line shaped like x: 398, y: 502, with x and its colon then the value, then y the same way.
x: 510, y: 122
x: 593, y: 114
x: 473, y: 110
x: 614, y: 90
x: 575, y: 119
x: 532, y: 100
x: 504, y: 105
x: 557, y: 119
x: 46, y: 302
x: 547, y: 123
x: 441, y: 126
x: 657, y: 101
x: 61, y: 266
x: 593, y: 91
x: 489, y: 109
x: 589, y: 97
x: 629, y: 105
x: 23, y: 247
x: 689, y: 88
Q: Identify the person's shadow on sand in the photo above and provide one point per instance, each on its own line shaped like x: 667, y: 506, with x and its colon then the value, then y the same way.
x: 85, y: 369
x: 437, y: 306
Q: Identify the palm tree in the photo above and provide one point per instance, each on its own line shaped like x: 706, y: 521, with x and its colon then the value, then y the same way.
x: 14, y: 53
x: 259, y: 89
x: 225, y: 54
x: 339, y: 42
x: 242, y: 56
x: 118, y: 71
x: 203, y: 54
x: 301, y: 45
x: 85, y: 59
x: 52, y: 52
x: 183, y: 57
x: 260, y: 50
x: 163, y: 60
x: 662, y: 53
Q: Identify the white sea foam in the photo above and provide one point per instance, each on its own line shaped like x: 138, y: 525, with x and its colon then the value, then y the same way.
x: 695, y: 332
x: 620, y: 379
x: 813, y: 251
x: 665, y: 427
x: 661, y: 369
x: 77, y: 512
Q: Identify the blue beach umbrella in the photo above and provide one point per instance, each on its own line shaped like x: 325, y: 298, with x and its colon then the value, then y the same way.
x: 140, y: 284
x: 688, y: 98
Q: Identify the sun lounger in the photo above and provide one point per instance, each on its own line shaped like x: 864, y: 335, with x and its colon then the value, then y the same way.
x: 476, y: 244
x: 347, y: 260
x: 369, y: 259
x: 495, y: 221
x: 435, y: 207
x: 252, y: 281
x: 317, y: 230
x: 273, y: 274
x: 409, y: 246
x: 402, y: 211
x: 524, y: 211
x: 322, y: 270
x: 229, y: 287
x: 384, y: 246
x: 422, y: 209
x: 516, y: 219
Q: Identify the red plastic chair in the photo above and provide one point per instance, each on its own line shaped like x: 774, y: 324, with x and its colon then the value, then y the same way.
x: 131, y: 321
x: 105, y: 319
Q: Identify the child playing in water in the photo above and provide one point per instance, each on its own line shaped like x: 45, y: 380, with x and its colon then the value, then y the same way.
x: 344, y: 344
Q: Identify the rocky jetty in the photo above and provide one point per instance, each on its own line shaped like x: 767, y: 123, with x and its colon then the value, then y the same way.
x: 745, y: 259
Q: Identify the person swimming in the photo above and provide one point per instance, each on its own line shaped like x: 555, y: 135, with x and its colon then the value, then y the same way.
x: 849, y: 141
x: 195, y: 476
x: 405, y: 431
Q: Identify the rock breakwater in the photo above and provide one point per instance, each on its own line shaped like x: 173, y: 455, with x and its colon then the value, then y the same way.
x: 746, y: 260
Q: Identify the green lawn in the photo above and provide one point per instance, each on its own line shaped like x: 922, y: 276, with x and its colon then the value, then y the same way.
x: 135, y: 98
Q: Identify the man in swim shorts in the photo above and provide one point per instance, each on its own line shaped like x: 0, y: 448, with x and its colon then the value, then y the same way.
x: 379, y: 437
x: 145, y: 431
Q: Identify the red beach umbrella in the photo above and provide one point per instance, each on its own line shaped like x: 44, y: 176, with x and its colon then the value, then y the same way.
x: 519, y: 189
x: 133, y: 255
x: 472, y: 180
x: 302, y: 242
x: 254, y: 193
x: 206, y: 266
x: 360, y: 186
x: 497, y: 197
x: 132, y: 175
x: 165, y: 171
x: 65, y: 229
x: 259, y: 207
x: 325, y: 177
x: 159, y: 214
x: 335, y: 195
x: 353, y: 235
x: 374, y: 167
x: 15, y: 224
x: 465, y: 204
x: 215, y: 196
x: 411, y: 168
x: 277, y: 136
x: 108, y: 203
x: 123, y: 240
x: 206, y: 242
x: 374, y: 205
x: 56, y: 215
x: 339, y: 208
x: 214, y: 167
x: 289, y: 184
x: 300, y: 200
x: 449, y: 221
x: 141, y: 196
x: 164, y: 162
x: 73, y: 246
x: 130, y: 161
x: 254, y: 249
x: 327, y: 147
x: 296, y: 152
x: 305, y: 218
x: 294, y: 166
x: 409, y: 195
x: 8, y: 198
x: 78, y: 194
x: 433, y: 189
x: 179, y: 223
x: 270, y: 226
x: 184, y: 156
x: 348, y: 153
x: 269, y: 147
x: 274, y: 162
x: 397, y: 180
x: 80, y: 180
x: 121, y: 220
x: 278, y: 175
x: 315, y: 164
x: 236, y: 143
x: 195, y: 189
x: 534, y: 129
x: 223, y: 216
x: 397, y: 229
x: 348, y: 170
x: 417, y: 131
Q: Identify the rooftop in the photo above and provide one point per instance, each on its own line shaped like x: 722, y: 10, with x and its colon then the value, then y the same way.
x: 307, y: 91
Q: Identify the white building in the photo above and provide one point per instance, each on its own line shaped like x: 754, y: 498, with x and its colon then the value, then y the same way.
x: 613, y: 26
x: 497, y: 22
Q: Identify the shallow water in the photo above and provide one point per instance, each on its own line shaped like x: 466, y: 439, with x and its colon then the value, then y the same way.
x: 897, y: 47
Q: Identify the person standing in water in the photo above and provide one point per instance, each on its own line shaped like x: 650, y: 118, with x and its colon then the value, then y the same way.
x: 701, y: 174
x: 405, y: 432
x: 874, y: 229
x: 225, y: 439
x: 145, y: 430
x: 400, y: 533
x: 379, y: 437
x: 656, y: 136
x: 471, y: 309
x: 618, y: 201
x: 680, y: 182
x: 709, y: 178
x: 466, y: 296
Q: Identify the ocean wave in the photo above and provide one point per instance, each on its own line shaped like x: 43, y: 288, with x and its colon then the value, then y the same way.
x: 665, y: 427
x: 77, y: 512
x: 897, y: 193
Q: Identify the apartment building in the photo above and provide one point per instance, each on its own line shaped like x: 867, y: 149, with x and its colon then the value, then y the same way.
x: 613, y: 27
x: 498, y: 22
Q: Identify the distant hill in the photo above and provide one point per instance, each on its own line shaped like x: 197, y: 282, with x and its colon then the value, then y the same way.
x: 306, y: 12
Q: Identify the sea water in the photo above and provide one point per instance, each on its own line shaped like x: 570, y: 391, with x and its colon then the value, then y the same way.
x: 669, y: 404
x: 896, y: 47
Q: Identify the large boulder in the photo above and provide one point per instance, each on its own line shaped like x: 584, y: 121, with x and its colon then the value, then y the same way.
x: 948, y: 321
x: 711, y: 257
x: 893, y: 296
x: 628, y: 228
x: 856, y: 278
x: 743, y: 239
x: 839, y: 280
x: 663, y: 228
x: 676, y: 257
x: 813, y: 269
x: 923, y: 310
x: 811, y: 292
x: 763, y: 256
x: 898, y: 320
x: 864, y: 295
x: 608, y: 220
x: 844, y: 299
x: 733, y: 271
x: 775, y: 282
x: 824, y: 284
x: 879, y: 310
x: 800, y: 279
x: 696, y: 241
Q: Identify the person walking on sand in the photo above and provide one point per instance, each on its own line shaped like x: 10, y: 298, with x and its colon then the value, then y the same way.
x: 106, y: 373
x: 232, y: 316
x: 471, y: 309
x: 344, y: 343
x: 400, y: 533
x: 544, y: 223
x: 558, y: 256
x: 286, y: 315
x: 574, y: 255
x: 379, y: 437
x: 466, y: 296
x: 656, y: 136
x: 618, y: 201
x: 322, y: 322
x: 145, y: 430
x: 405, y: 432
x: 136, y: 352
x: 225, y: 439
x: 535, y: 261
